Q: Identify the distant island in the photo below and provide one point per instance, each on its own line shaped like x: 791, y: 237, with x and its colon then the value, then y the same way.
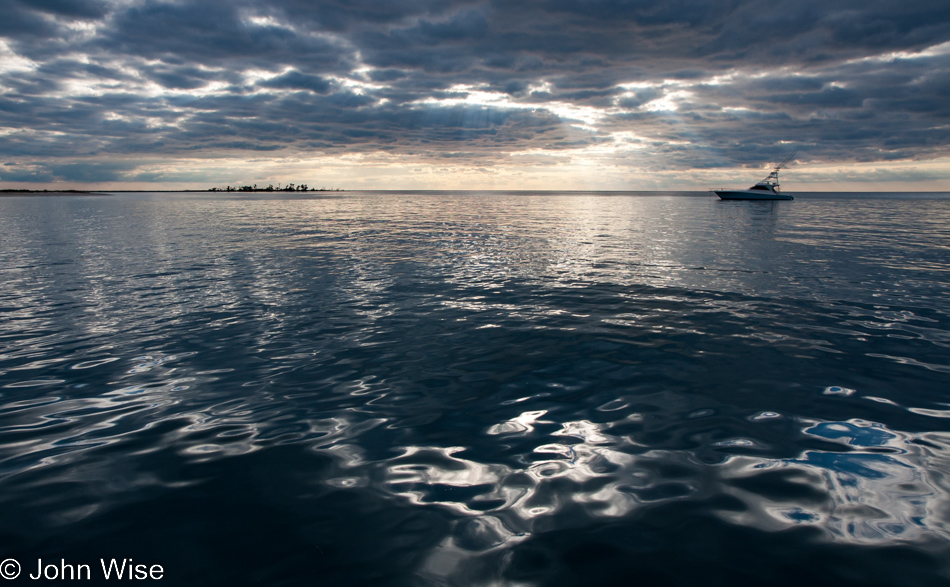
x: 290, y: 187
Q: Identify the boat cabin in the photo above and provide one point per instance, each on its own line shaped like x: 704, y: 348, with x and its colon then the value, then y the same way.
x: 769, y: 184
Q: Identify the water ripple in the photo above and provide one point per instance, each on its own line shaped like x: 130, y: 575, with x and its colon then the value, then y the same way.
x: 461, y: 388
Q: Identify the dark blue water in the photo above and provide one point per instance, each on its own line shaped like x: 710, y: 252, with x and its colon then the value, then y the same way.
x: 478, y: 389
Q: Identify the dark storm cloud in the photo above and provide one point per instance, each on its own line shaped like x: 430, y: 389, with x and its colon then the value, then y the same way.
x: 706, y: 83
x: 214, y: 34
x: 39, y: 18
x: 88, y: 9
x: 27, y: 175
x: 17, y: 20
x: 82, y: 172
x: 294, y: 80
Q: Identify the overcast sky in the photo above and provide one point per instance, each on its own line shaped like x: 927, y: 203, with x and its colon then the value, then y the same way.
x: 512, y: 94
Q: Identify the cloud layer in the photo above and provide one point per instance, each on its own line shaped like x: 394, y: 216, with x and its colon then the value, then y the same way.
x: 142, y: 91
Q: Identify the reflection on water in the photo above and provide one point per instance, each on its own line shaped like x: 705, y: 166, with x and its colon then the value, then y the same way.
x: 479, y: 388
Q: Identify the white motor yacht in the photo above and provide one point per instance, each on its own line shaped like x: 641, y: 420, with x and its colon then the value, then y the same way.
x: 767, y: 189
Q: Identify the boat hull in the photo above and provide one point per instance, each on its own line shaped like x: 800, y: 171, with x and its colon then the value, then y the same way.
x: 750, y: 195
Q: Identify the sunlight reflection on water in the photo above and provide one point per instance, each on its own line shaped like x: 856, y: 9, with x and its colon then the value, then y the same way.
x: 516, y: 368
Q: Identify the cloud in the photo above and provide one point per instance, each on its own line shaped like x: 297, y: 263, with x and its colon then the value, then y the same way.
x: 86, y: 172
x: 294, y: 80
x: 702, y: 84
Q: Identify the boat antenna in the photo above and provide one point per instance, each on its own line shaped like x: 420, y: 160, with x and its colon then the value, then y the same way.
x: 787, y: 159
x: 772, y: 179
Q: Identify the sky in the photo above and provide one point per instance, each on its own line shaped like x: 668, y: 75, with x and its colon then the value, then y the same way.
x: 458, y: 94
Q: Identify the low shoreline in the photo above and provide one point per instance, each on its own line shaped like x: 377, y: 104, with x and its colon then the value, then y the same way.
x: 33, y: 193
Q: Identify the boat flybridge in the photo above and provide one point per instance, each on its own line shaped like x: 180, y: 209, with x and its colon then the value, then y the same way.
x: 767, y: 189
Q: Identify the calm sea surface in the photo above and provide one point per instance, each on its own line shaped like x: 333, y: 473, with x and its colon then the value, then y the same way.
x: 366, y: 388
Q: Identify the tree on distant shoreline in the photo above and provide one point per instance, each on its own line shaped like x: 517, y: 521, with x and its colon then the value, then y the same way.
x: 290, y: 187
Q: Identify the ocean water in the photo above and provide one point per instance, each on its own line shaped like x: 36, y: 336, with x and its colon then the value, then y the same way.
x: 371, y: 388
